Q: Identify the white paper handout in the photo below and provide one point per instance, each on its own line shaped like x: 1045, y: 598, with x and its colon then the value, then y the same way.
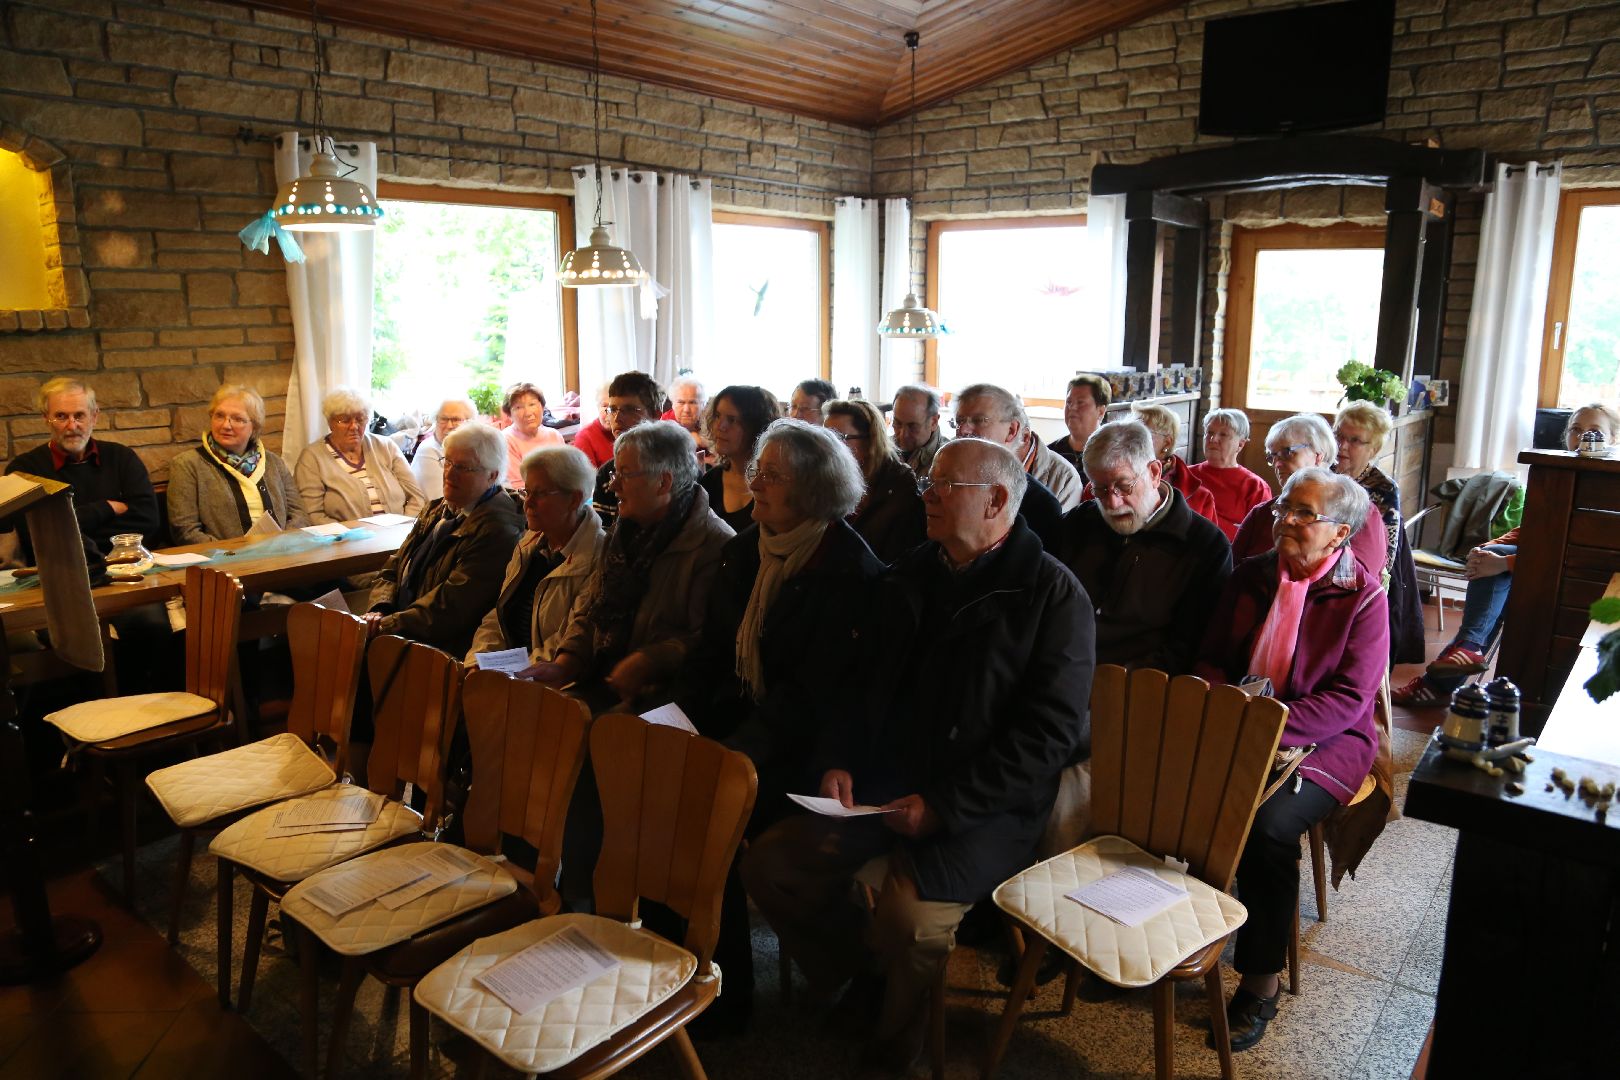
x: 356, y: 885
x: 1129, y: 896
x: 547, y: 969
x: 331, y: 528
x: 333, y: 601
x: 179, y: 558
x: 265, y: 526
x: 510, y: 661
x: 443, y: 864
x: 834, y: 808
x: 670, y: 715
x: 385, y: 520
x: 359, y: 809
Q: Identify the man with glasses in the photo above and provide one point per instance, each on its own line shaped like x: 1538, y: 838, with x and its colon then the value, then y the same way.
x: 980, y: 705
x: 632, y: 399
x: 984, y: 411
x: 915, y: 423
x: 427, y: 465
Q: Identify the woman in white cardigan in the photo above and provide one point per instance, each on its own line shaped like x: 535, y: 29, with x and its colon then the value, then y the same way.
x: 351, y: 473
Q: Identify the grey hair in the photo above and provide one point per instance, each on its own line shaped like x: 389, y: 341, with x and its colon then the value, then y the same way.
x: 66, y: 385
x: 1232, y: 418
x: 1347, y: 500
x: 999, y: 466
x: 1007, y: 403
x: 666, y: 447
x: 487, y: 444
x: 826, y: 483
x: 931, y: 402
x: 565, y: 466
x: 343, y: 401
x: 692, y: 381
x: 1307, y: 428
x: 1129, y: 441
x: 1159, y: 420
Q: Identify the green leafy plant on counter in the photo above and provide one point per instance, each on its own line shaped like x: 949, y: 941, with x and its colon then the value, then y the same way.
x: 1607, y: 679
x: 1364, y: 383
x: 487, y: 397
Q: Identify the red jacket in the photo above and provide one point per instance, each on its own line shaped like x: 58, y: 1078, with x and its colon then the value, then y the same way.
x: 1236, y: 491
x: 595, y: 442
x: 1178, y: 474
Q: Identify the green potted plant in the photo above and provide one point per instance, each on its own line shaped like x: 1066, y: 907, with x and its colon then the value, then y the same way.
x: 1364, y: 383
x: 487, y: 398
x: 1607, y: 680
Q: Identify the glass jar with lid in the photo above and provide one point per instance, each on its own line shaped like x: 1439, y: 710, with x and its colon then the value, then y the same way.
x: 128, y: 556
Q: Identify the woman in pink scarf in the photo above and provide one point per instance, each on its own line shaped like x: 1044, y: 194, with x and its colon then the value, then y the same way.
x: 1309, y: 617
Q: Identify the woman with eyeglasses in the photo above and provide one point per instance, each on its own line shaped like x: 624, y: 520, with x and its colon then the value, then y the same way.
x: 350, y: 473
x: 1301, y: 441
x: 526, y: 405
x: 1311, y: 619
x: 224, y: 487
x: 733, y: 422
x: 787, y: 612
x: 890, y: 516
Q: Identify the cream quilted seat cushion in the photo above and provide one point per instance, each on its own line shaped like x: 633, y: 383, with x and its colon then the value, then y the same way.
x: 113, y: 718
x: 1124, y: 955
x: 294, y: 858
x: 206, y: 788
x: 371, y: 926
x: 650, y: 970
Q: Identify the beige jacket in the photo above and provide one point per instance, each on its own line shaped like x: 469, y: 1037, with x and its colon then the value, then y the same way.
x: 554, y: 597
x: 332, y: 493
x: 1060, y: 478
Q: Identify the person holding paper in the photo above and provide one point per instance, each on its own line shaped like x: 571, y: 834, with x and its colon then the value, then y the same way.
x: 1314, y: 620
x: 447, y: 573
x: 987, y: 667
x: 231, y: 482
x: 552, y: 561
x: 350, y: 472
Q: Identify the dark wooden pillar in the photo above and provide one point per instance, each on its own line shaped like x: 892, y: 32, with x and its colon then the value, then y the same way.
x: 1145, y: 212
x: 1144, y: 273
x: 1435, y: 279
x: 1187, y: 296
x: 1411, y: 204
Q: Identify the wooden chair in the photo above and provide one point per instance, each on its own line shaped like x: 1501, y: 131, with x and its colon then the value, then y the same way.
x: 673, y: 810
x: 118, y: 734
x: 1178, y: 770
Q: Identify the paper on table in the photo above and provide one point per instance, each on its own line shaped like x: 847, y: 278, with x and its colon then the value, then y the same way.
x: 386, y: 520
x: 265, y: 526
x: 356, y: 885
x: 547, y: 969
x: 362, y: 808
x: 1129, y: 896
x: 670, y: 715
x: 179, y: 558
x: 331, y: 528
x: 510, y: 661
x: 443, y: 864
x: 333, y: 600
x: 834, y: 808
x: 1256, y: 686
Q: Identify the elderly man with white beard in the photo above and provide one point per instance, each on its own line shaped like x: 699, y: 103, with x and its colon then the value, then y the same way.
x: 1153, y: 568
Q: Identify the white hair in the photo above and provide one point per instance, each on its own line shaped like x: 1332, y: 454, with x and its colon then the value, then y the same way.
x: 1346, y: 502
x: 1232, y: 418
x: 487, y: 444
x: 564, y: 466
x: 345, y: 401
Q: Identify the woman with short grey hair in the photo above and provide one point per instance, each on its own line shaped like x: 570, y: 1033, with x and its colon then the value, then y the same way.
x: 350, y: 473
x: 1236, y: 489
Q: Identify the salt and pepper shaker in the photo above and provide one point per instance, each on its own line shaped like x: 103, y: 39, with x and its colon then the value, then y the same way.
x: 1592, y: 444
x: 1467, y: 722
x: 1504, y: 704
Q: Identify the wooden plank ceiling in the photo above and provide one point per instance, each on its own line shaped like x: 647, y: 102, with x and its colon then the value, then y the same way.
x: 842, y: 60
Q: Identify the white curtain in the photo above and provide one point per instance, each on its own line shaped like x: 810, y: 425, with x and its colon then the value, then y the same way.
x: 1105, y: 272
x: 616, y: 326
x: 856, y: 358
x: 685, y: 323
x: 902, y: 361
x: 1496, y: 407
x: 330, y: 295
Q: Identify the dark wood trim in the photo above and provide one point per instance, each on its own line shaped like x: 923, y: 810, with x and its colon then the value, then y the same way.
x: 823, y: 231
x: 1567, y: 241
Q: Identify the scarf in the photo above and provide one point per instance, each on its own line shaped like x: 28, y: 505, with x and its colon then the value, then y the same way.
x: 1273, y: 654
x: 781, y: 555
x: 245, y: 462
x: 627, y: 560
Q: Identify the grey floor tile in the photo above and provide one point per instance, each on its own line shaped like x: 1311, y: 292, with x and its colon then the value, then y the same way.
x: 1393, y: 1048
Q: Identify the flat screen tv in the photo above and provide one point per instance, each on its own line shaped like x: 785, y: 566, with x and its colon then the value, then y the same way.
x: 1315, y: 68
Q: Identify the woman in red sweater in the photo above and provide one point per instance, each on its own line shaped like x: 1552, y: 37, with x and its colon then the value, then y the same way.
x: 1236, y: 489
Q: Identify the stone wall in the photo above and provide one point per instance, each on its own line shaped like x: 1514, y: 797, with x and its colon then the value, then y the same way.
x: 144, y: 101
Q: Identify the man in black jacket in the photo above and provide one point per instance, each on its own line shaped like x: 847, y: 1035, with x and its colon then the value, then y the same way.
x: 982, y: 704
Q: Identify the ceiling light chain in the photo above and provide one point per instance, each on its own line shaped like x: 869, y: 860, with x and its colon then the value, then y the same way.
x: 911, y: 320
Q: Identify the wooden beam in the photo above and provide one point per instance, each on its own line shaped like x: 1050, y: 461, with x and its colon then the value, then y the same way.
x: 1144, y: 274
x: 1435, y: 277
x: 1187, y: 296
x: 1167, y: 209
x: 1410, y: 206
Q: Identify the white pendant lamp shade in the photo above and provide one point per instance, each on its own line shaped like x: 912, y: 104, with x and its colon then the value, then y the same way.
x: 324, y: 200
x: 912, y: 320
x: 600, y: 263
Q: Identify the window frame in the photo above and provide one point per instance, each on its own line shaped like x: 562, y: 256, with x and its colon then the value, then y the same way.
x: 1247, y: 244
x: 823, y: 231
x: 939, y: 226
x: 561, y: 205
x: 1566, y: 241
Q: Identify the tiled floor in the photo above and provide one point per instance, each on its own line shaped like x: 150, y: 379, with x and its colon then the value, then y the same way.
x: 138, y: 1008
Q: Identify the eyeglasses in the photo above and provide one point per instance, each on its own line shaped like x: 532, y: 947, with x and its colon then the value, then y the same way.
x: 352, y: 420
x: 852, y: 437
x: 1274, y: 456
x: 233, y: 419
x: 620, y: 475
x: 1120, y: 489
x: 532, y: 494
x: 1349, y: 440
x: 1285, y: 513
x: 769, y: 477
x: 450, y: 421
x: 466, y: 470
x: 624, y: 410
x: 944, y: 487
x: 974, y: 422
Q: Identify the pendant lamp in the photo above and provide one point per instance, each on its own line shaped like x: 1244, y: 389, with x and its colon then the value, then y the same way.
x: 324, y: 199
x: 599, y: 263
x: 911, y: 320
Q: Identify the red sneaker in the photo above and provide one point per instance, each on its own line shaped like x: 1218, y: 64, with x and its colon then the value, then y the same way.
x: 1458, y: 660
x: 1417, y: 694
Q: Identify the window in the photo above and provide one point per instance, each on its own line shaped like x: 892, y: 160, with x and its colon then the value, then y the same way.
x: 1303, y: 302
x: 466, y: 295
x: 1581, y: 352
x: 772, y: 314
x: 1011, y: 291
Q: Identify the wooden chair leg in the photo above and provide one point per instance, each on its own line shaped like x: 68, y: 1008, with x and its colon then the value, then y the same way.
x: 1319, y: 869
x: 258, y: 909
x: 224, y: 888
x: 419, y: 1021
x: 354, y: 970
x: 1022, y: 985
x: 182, y: 878
x: 1217, y: 1020
x: 936, y: 1022
x: 1164, y: 1029
x: 1071, y: 986
x: 127, y: 807
x: 1293, y: 951
x: 309, y: 999
x: 685, y: 1056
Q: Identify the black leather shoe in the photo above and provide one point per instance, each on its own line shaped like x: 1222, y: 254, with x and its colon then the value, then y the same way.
x: 1247, y: 1016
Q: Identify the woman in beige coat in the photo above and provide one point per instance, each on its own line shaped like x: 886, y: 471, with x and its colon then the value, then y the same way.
x: 351, y: 473
x: 552, y: 561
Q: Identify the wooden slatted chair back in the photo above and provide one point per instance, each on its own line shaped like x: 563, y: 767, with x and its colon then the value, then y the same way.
x: 528, y: 746
x: 673, y: 810
x: 1178, y: 766
x: 416, y: 703
x: 213, y: 619
x: 328, y: 651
